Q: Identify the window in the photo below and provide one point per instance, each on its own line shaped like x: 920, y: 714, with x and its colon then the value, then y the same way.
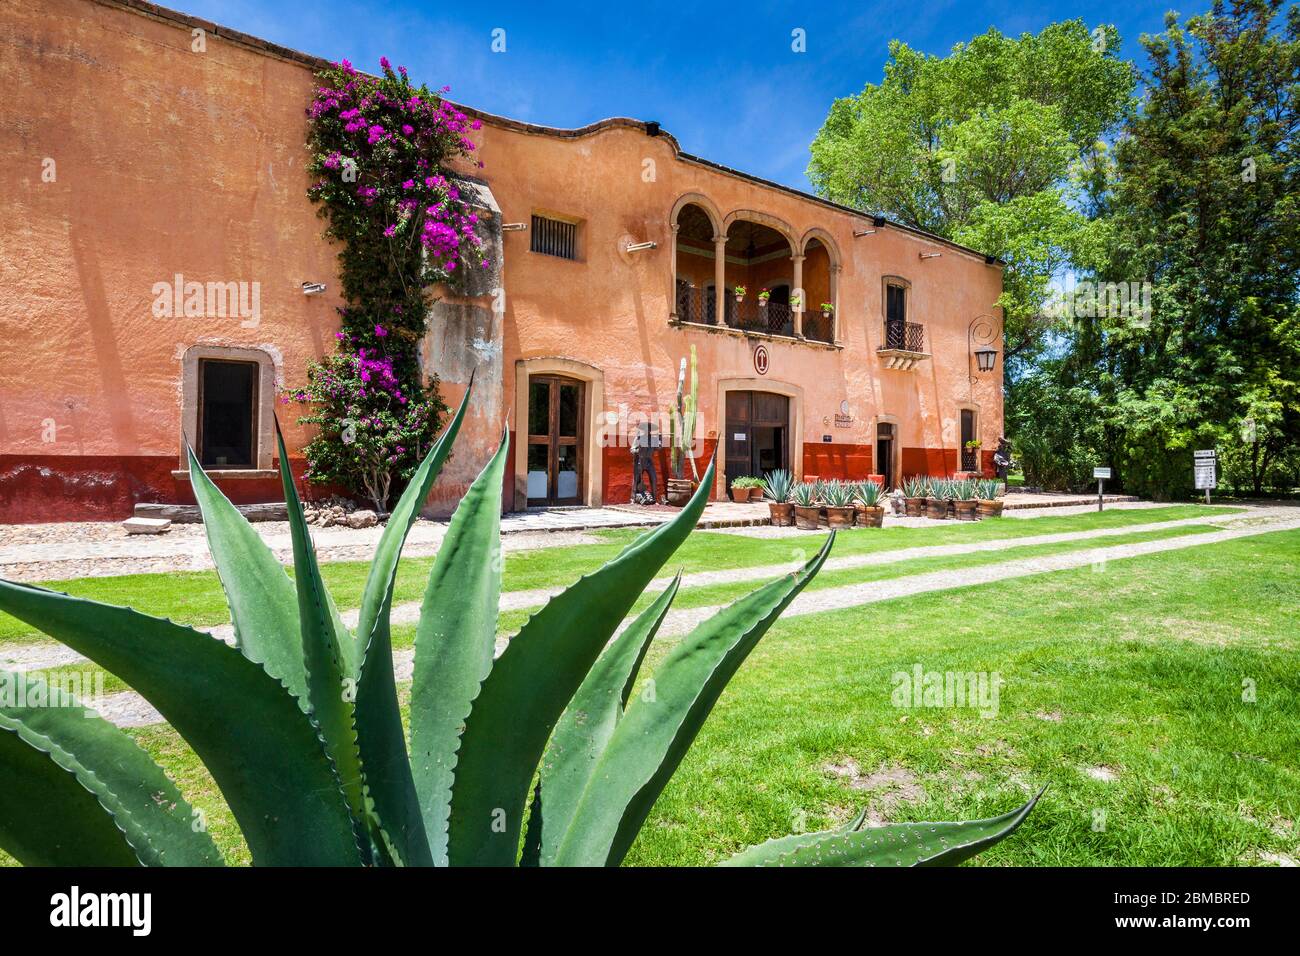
x: 228, y: 414
x: 895, y: 303
x: 554, y: 237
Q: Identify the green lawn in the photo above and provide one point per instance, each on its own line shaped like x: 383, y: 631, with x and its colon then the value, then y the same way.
x: 195, y: 597
x: 1132, y: 671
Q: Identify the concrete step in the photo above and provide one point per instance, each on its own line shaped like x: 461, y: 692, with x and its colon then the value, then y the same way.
x: 189, y: 514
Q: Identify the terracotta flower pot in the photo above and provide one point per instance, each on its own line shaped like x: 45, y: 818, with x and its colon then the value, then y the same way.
x: 839, y: 517
x: 755, y: 494
x: 782, y: 513
x: 680, y: 491
x: 990, y: 507
x: 914, y: 507
x: 966, y: 509
x: 936, y: 508
x: 869, y: 517
x: 807, y: 518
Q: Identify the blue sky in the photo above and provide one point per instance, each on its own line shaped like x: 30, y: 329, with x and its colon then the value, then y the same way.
x: 722, y: 78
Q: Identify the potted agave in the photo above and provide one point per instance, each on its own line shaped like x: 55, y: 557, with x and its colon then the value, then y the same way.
x: 963, y: 497
x: 915, y: 490
x: 936, y: 502
x: 838, y: 498
x: 987, y: 495
x: 870, y: 512
x: 806, y: 510
x: 777, y: 487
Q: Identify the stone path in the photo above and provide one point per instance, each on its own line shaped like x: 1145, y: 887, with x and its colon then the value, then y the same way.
x: 127, y: 709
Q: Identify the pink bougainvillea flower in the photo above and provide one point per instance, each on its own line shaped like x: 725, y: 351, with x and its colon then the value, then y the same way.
x: 380, y: 331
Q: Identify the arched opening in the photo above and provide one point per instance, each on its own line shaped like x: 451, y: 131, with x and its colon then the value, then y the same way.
x: 694, y: 258
x: 760, y: 260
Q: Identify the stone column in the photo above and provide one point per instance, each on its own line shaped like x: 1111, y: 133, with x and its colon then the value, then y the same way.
x: 798, y: 287
x: 835, y: 301
x: 720, y: 278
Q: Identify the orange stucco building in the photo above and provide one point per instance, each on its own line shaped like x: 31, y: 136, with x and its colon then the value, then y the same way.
x: 140, y: 162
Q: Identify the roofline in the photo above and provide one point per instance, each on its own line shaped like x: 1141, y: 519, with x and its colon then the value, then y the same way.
x: 267, y: 48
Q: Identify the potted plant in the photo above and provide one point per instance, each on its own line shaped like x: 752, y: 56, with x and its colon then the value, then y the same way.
x: 806, y: 510
x: 936, y: 502
x: 777, y: 486
x: 827, y: 309
x: 963, y: 494
x: 757, y: 489
x: 987, y: 494
x: 870, y: 512
x: 740, y: 489
x: 740, y: 293
x: 796, y: 302
x: 763, y: 296
x: 838, y: 498
x: 915, y: 490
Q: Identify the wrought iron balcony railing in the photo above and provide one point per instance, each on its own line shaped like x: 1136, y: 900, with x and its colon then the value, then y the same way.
x: 904, y: 337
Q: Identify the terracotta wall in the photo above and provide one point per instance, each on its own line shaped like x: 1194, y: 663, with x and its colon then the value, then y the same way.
x: 170, y: 161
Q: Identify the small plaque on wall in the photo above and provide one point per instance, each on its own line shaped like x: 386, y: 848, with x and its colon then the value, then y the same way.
x: 826, y: 439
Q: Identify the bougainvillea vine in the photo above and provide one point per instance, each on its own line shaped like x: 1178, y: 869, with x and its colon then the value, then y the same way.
x: 380, y: 147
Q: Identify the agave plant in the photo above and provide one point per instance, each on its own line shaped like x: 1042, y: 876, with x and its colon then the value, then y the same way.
x: 837, y: 494
x: 777, y: 485
x: 804, y: 494
x: 917, y: 486
x: 988, y: 489
x: 868, y: 492
x: 298, y: 720
x: 963, y: 489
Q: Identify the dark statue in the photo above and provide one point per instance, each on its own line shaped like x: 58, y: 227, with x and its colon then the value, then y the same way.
x: 643, y: 465
x: 1002, y: 458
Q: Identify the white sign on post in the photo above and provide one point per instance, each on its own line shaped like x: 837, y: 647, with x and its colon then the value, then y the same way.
x: 1101, y: 473
x: 1203, y: 463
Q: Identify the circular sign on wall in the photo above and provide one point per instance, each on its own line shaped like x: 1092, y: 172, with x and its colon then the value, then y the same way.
x: 760, y: 360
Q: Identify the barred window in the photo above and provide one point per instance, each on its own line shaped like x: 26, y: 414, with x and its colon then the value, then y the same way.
x: 553, y: 237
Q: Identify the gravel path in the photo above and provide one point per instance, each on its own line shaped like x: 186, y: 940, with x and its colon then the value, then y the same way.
x: 128, y: 709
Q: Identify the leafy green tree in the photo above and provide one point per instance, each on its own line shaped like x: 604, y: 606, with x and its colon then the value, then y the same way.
x: 1203, y: 205
x: 994, y: 146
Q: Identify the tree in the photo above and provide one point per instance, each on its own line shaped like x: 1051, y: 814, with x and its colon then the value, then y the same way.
x: 992, y: 146
x: 1203, y: 205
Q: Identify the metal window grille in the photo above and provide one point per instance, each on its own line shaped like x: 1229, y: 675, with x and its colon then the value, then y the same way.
x: 554, y: 238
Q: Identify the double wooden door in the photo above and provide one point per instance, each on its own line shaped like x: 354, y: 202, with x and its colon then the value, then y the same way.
x: 757, y: 435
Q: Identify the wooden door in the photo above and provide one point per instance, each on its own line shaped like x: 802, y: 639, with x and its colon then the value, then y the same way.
x: 556, y: 472
x: 757, y: 435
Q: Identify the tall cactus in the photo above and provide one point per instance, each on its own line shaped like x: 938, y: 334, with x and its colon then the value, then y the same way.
x: 299, y: 726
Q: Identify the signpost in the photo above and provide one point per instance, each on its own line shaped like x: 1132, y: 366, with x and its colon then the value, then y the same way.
x: 1204, y: 466
x: 1101, y: 474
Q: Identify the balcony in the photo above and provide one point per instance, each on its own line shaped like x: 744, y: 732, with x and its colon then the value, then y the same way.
x: 697, y: 306
x: 904, y: 345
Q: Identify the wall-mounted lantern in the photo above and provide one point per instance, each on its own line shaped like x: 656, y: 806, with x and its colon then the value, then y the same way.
x: 985, y: 359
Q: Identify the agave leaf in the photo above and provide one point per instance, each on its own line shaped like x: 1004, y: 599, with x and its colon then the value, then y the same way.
x: 454, y: 642
x: 380, y: 735
x: 262, y: 599
x: 54, y: 754
x: 531, y: 855
x: 264, y: 753
x: 328, y: 652
x: 898, y: 844
x: 655, y: 732
x: 589, y: 721
x: 532, y: 682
